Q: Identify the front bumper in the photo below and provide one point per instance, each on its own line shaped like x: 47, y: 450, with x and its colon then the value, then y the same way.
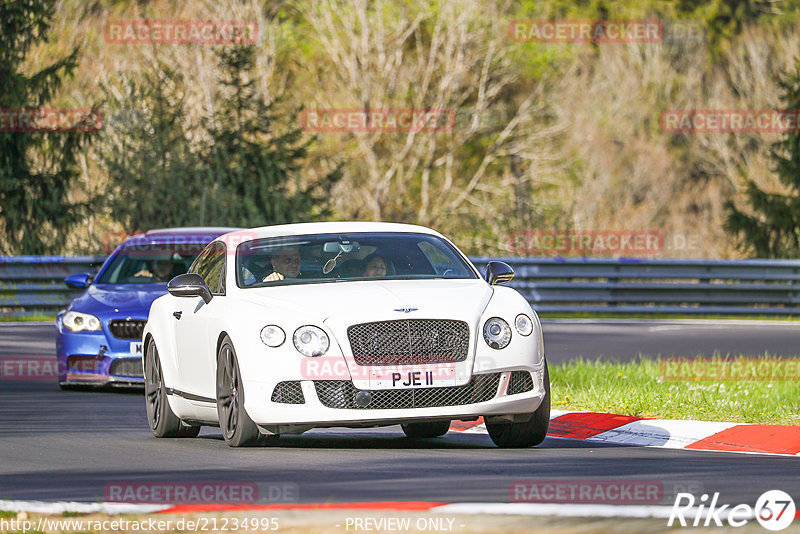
x: 485, y: 395
x: 84, y: 358
x: 103, y: 370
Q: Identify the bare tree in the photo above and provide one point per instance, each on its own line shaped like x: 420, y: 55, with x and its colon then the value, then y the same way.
x: 455, y: 57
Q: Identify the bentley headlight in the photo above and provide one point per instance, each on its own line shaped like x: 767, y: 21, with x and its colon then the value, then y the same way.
x: 273, y: 335
x: 311, y: 341
x: 77, y: 321
x: 497, y: 333
x: 523, y: 324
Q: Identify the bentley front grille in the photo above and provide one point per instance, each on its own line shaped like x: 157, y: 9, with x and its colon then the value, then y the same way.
x: 409, y: 341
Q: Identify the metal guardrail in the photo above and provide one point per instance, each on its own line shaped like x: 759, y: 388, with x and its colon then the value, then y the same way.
x: 35, y: 284
x: 635, y: 286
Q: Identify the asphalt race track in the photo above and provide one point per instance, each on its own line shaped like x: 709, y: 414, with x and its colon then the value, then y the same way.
x: 59, y: 445
x: 564, y: 339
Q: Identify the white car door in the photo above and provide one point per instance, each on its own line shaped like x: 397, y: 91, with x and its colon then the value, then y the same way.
x: 196, y: 353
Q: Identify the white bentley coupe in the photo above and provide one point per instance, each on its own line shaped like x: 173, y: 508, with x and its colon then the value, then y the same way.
x: 281, y: 329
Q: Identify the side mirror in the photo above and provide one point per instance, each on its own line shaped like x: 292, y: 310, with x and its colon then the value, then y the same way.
x: 498, y: 272
x: 189, y: 285
x: 78, y: 281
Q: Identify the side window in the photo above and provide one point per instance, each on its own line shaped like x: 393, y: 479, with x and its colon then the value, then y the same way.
x: 211, y: 265
x: 199, y: 260
x: 443, y: 260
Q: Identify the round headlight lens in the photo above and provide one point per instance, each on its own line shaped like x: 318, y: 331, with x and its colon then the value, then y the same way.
x: 273, y: 335
x: 497, y: 333
x: 77, y: 321
x: 311, y: 341
x: 523, y: 324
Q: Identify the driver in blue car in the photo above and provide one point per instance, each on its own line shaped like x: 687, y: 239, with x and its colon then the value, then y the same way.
x: 162, y: 270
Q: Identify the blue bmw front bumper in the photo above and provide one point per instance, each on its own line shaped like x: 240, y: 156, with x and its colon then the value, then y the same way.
x: 98, y: 358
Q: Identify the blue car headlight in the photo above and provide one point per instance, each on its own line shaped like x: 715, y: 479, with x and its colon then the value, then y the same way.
x: 77, y: 321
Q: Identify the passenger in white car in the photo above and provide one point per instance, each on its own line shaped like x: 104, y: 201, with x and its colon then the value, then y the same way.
x: 375, y: 265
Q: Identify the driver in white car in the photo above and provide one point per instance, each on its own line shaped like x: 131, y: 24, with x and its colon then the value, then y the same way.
x: 285, y: 264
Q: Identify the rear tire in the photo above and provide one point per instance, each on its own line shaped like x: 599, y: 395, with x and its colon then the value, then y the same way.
x: 163, y: 421
x: 434, y: 429
x: 237, y: 428
x: 530, y: 433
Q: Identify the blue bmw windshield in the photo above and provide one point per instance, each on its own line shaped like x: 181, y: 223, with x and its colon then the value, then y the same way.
x: 350, y: 256
x: 154, y: 264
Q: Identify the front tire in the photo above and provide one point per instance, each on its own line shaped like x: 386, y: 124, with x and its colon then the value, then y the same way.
x: 433, y: 429
x: 237, y: 428
x: 527, y: 434
x: 163, y: 421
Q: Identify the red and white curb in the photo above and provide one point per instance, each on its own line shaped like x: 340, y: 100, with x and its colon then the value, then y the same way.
x: 667, y: 433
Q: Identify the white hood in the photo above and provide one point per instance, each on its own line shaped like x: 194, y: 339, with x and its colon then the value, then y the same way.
x: 357, y: 302
x: 341, y: 304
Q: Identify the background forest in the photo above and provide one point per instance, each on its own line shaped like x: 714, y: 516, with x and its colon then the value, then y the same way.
x: 546, y: 136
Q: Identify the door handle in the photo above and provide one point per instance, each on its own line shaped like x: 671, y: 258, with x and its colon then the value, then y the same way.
x: 177, y: 314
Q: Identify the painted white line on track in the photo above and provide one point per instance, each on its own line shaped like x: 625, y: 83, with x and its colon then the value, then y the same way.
x: 667, y: 433
x: 41, y: 507
x: 631, y: 511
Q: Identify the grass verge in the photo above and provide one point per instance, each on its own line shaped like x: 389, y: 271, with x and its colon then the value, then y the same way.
x: 27, y: 318
x: 637, y: 388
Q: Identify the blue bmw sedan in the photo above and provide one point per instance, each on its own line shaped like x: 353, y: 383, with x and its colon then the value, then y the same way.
x: 99, y: 340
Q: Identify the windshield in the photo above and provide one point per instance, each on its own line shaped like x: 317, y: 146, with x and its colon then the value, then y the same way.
x: 150, y: 264
x: 343, y: 257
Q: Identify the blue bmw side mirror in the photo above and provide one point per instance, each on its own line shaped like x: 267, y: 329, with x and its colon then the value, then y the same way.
x: 78, y: 281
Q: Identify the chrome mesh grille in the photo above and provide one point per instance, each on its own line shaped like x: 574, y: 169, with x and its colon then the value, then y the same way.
x: 127, y: 328
x: 519, y: 382
x: 409, y: 341
x: 126, y: 367
x: 341, y: 394
x: 288, y: 393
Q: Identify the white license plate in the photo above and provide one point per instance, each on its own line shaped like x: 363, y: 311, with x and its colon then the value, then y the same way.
x: 136, y: 348
x: 410, y: 378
